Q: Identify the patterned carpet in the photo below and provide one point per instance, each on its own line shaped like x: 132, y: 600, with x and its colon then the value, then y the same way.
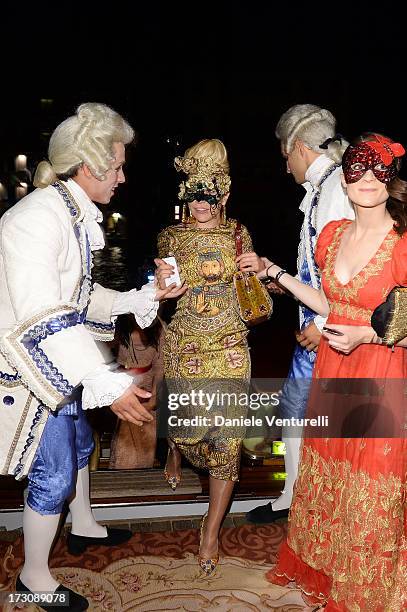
x: 158, y: 571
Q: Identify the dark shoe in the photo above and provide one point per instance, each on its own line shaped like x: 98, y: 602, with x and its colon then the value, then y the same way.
x: 78, y: 544
x: 76, y: 602
x: 265, y: 514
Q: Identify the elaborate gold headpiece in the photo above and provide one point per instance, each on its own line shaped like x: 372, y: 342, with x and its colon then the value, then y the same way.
x: 204, y: 176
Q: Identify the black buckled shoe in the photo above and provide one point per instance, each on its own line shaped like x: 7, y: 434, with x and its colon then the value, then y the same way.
x: 78, y: 544
x: 75, y: 602
x: 265, y: 514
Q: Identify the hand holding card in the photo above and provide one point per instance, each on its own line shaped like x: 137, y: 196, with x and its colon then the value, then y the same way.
x: 174, y: 278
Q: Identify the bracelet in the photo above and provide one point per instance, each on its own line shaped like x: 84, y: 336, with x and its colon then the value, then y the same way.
x: 280, y: 274
x: 268, y: 279
x: 376, y: 339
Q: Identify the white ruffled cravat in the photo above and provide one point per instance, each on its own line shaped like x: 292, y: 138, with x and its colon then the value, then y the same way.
x: 92, y: 219
x: 92, y: 216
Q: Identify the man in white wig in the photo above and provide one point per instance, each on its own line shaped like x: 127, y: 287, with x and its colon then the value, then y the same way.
x: 52, y: 365
x: 313, y: 153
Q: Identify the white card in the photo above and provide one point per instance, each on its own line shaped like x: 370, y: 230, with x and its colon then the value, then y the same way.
x: 174, y: 278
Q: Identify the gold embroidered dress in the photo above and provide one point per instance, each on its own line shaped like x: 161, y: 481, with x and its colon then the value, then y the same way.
x: 205, y: 346
x: 346, y: 543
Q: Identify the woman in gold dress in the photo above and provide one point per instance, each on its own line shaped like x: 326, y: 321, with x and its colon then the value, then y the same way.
x: 205, y: 347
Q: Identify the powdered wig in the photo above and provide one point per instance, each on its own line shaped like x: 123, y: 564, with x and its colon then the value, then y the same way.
x: 313, y: 126
x: 84, y: 138
x: 213, y: 148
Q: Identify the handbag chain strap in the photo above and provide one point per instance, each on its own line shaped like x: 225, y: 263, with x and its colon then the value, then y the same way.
x: 238, y: 239
x: 239, y: 250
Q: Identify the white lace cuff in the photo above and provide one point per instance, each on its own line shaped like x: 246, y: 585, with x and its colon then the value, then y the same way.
x: 103, y: 386
x: 142, y: 304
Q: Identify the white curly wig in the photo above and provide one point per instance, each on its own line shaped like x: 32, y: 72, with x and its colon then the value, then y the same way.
x: 312, y: 125
x: 84, y: 138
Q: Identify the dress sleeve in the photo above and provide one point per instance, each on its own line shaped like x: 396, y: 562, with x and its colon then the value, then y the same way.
x: 324, y: 240
x: 399, y: 261
x: 163, y: 243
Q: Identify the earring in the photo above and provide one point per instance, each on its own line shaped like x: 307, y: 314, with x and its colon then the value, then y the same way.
x: 223, y: 215
x: 185, y: 213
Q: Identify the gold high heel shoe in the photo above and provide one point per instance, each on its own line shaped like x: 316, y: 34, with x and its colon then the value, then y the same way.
x: 173, y: 481
x: 207, y: 565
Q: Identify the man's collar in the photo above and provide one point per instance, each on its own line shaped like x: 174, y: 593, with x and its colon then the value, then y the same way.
x: 84, y: 204
x: 317, y: 169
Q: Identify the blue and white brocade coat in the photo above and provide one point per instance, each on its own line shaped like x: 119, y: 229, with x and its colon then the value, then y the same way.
x: 50, y: 315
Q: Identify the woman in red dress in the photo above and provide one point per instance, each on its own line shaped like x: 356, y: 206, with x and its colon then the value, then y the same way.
x: 346, y: 546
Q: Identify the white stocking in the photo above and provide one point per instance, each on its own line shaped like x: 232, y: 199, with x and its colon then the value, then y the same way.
x: 292, y: 458
x: 83, y: 521
x: 39, y: 534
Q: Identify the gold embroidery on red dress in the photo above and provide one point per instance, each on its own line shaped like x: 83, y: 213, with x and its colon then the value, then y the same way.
x: 349, y: 291
x: 351, y: 532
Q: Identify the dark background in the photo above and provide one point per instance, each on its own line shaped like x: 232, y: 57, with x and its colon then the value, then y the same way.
x: 181, y: 72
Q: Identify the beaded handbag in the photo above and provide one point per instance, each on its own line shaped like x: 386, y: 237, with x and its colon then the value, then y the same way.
x: 254, y: 302
x: 389, y: 320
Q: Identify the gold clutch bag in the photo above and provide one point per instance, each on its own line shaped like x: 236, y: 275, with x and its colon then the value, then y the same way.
x: 254, y: 302
x: 389, y: 320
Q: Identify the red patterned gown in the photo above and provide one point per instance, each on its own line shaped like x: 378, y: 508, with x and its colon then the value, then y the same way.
x: 346, y: 545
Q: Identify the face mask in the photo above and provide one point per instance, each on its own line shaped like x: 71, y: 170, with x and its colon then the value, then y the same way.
x: 199, y: 196
x: 379, y: 156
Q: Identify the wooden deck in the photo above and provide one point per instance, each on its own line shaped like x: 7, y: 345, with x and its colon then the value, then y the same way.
x: 108, y: 487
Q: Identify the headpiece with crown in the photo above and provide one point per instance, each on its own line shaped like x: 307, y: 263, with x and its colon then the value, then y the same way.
x: 210, y: 256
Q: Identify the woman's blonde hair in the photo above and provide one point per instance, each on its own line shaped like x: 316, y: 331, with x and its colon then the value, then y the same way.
x: 210, y: 147
x: 312, y: 125
x: 206, y: 164
x: 84, y: 138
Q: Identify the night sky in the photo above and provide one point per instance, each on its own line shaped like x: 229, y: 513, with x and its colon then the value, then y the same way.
x: 185, y: 71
